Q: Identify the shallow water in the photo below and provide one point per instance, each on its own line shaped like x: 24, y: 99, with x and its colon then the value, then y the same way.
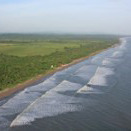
x: 92, y: 95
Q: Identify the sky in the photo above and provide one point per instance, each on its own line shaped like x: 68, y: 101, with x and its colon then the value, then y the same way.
x: 66, y: 16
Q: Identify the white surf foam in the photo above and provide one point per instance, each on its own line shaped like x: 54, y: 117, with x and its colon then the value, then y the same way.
x: 104, y: 71
x: 107, y: 62
x: 98, y: 80
x: 117, y: 54
x: 44, y: 86
x: 123, y: 46
x: 88, y: 90
x: 67, y: 86
x: 21, y: 100
x: 111, y: 62
x: 100, y: 77
x: 97, y: 60
x: 50, y: 104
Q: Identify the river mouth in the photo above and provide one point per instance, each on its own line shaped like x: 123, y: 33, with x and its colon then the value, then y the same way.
x: 92, y: 95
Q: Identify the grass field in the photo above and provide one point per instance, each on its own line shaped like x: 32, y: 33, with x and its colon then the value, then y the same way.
x: 25, y: 56
x: 34, y: 48
x: 32, y: 45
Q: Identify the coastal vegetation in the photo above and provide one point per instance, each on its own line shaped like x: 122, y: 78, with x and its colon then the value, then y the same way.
x: 25, y: 56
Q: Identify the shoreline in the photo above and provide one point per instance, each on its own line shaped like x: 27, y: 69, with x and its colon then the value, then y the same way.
x: 27, y: 83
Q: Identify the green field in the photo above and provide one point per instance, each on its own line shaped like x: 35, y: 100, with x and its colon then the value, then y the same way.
x: 25, y: 56
x: 32, y: 45
x: 34, y: 49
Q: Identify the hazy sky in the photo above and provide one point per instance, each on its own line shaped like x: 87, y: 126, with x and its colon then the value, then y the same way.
x: 69, y: 16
